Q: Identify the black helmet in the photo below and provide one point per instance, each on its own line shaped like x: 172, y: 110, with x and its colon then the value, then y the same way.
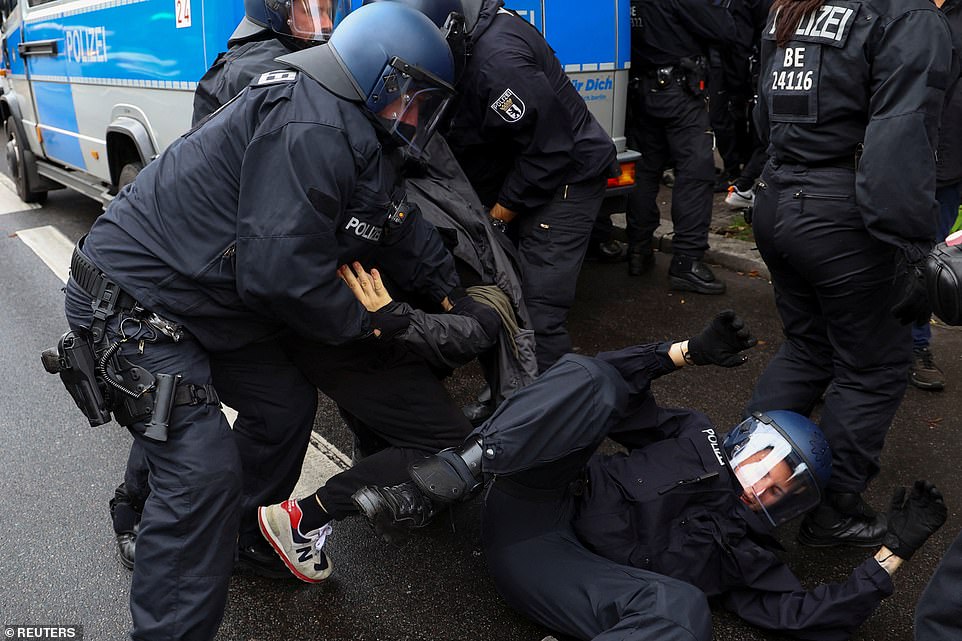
x: 308, y: 21
x: 392, y: 59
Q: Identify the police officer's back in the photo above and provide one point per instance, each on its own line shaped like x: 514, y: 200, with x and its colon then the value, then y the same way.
x: 850, y: 97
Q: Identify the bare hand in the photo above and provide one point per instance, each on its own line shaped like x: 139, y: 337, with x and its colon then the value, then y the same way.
x: 502, y: 213
x: 367, y: 288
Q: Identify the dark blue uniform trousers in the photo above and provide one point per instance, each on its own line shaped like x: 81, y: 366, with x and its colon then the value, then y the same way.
x: 185, y: 548
x: 938, y: 615
x: 552, y: 242
x: 275, y: 406
x: 671, y: 124
x: 536, y: 444
x: 834, y: 292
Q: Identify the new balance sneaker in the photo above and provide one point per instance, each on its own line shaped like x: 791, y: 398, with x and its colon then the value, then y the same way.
x: 393, y: 511
x: 301, y: 552
x: 924, y: 373
x: 737, y: 199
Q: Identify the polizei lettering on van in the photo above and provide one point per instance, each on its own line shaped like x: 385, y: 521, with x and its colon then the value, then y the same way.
x: 363, y: 230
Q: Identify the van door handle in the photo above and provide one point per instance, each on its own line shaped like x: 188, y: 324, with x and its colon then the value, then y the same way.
x: 38, y: 48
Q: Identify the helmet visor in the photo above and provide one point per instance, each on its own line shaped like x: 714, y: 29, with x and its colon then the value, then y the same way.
x: 409, y: 103
x: 315, y: 19
x: 776, y: 479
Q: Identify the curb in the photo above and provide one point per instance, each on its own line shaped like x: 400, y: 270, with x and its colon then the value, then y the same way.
x: 733, y: 254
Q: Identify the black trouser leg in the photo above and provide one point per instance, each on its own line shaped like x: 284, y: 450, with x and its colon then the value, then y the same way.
x: 552, y: 242
x: 188, y: 533
x: 833, y: 284
x: 542, y: 570
x: 275, y: 407
x: 673, y: 124
x: 399, y: 400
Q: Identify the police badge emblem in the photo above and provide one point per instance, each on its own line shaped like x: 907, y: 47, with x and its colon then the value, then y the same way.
x: 509, y: 106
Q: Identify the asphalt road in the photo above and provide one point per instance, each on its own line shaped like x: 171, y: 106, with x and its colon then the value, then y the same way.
x: 57, y: 557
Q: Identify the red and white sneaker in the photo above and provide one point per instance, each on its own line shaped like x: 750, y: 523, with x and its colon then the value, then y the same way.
x: 302, y: 553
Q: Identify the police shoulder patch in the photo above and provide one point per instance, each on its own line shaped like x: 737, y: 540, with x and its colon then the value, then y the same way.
x: 275, y: 77
x: 509, y: 106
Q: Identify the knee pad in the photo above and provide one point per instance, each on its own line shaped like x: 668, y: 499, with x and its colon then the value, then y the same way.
x: 448, y: 476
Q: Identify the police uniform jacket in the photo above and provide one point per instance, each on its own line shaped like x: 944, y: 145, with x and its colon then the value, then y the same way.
x: 670, y: 505
x: 665, y: 31
x: 238, y: 227
x: 519, y: 127
x: 863, y: 82
x: 949, y: 161
x: 232, y: 71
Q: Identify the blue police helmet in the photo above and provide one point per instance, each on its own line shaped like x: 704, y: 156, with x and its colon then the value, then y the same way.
x: 437, y: 10
x: 392, y: 59
x: 782, y: 461
x: 309, y: 21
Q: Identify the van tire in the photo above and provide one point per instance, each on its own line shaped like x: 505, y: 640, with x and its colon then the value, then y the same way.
x: 128, y: 173
x: 17, y: 160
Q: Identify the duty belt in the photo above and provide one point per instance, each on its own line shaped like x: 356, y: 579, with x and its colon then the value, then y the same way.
x: 109, y: 298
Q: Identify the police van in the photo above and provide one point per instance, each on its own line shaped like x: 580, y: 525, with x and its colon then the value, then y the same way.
x: 94, y: 89
x: 592, y: 42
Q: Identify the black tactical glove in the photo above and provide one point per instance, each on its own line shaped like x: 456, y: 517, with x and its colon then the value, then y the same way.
x: 721, y: 341
x: 486, y: 316
x: 912, y: 301
x: 389, y: 321
x: 914, y: 519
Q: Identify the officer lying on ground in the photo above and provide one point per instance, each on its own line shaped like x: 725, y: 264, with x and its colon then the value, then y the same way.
x: 574, y: 540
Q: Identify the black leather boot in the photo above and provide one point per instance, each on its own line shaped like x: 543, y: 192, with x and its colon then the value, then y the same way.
x: 125, y: 517
x: 842, y: 519
x: 393, y: 511
x: 689, y: 274
x: 640, y: 260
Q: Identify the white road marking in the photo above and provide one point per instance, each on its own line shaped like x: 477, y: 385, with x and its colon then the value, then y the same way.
x: 51, y: 246
x: 322, y: 460
x: 9, y: 200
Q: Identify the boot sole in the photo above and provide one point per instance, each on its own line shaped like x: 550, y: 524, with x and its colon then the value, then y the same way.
x: 812, y: 542
x: 682, y: 285
x: 929, y: 387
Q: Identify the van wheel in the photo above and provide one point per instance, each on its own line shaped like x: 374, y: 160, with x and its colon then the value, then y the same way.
x: 17, y: 162
x: 128, y: 173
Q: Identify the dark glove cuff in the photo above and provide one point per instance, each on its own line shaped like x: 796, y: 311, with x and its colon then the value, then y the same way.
x: 899, y: 548
x: 457, y: 294
x: 696, y: 352
x: 388, y: 321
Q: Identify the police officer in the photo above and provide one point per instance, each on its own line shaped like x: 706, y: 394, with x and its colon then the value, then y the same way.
x: 535, y: 156
x: 292, y: 179
x: 849, y: 103
x: 670, y: 121
x: 615, y: 549
x: 272, y: 437
x: 269, y: 29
